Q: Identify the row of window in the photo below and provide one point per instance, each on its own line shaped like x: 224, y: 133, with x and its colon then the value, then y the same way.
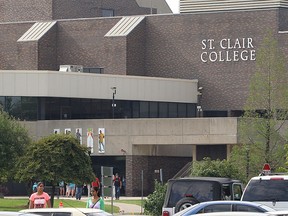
x: 46, y: 108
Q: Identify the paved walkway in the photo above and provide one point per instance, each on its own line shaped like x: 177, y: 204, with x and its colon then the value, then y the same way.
x: 125, y: 208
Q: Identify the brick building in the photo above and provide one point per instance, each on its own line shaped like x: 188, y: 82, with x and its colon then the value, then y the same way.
x: 168, y: 70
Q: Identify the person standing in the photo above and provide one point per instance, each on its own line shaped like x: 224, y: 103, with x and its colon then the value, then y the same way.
x: 118, y: 185
x: 39, y: 199
x: 72, y: 189
x: 62, y: 188
x: 34, y: 187
x: 95, y: 201
x: 96, y: 182
x: 79, y: 190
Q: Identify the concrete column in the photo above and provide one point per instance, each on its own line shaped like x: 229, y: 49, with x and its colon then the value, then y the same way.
x: 194, y: 153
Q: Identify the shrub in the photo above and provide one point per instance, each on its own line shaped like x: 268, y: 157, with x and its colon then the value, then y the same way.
x: 154, y: 203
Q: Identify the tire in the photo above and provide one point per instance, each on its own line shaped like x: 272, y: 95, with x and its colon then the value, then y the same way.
x: 185, y: 203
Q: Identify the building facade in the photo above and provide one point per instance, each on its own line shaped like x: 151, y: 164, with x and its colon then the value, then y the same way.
x: 181, y: 79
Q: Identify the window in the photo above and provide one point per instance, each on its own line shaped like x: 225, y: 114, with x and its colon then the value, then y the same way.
x: 153, y: 110
x: 135, y: 111
x: 244, y: 208
x: 218, y: 208
x: 163, y: 110
x: 107, y: 12
x: 144, y: 109
x: 182, y: 110
x: 172, y: 110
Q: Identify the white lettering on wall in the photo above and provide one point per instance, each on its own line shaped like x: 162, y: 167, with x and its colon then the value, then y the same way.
x: 228, y: 50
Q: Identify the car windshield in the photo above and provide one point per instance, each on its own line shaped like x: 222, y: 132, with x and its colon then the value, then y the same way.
x: 201, y: 190
x: 266, y: 190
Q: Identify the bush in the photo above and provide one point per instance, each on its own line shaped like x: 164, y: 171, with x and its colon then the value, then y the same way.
x: 154, y: 203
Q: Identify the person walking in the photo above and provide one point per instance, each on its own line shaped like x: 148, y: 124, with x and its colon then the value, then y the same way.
x: 39, y: 199
x: 95, y: 201
x: 118, y: 185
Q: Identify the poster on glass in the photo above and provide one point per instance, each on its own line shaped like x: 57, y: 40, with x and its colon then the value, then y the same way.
x: 90, y: 141
x: 101, y: 140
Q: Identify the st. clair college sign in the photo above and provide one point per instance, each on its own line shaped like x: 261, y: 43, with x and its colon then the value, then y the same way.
x: 227, y: 50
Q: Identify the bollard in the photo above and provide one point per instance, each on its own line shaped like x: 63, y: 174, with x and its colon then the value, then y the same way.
x: 61, y: 204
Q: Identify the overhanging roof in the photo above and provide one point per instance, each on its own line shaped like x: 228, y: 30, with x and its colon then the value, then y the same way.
x: 96, y: 86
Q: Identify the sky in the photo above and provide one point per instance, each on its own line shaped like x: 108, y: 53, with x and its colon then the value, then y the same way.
x: 174, y: 5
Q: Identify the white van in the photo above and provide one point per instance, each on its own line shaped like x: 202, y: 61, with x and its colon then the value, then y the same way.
x: 270, y: 190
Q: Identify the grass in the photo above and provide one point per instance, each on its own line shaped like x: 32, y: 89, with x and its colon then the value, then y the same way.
x: 135, y: 202
x: 7, y: 204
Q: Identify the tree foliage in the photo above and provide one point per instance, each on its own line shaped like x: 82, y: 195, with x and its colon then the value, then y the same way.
x: 58, y: 157
x: 154, y: 203
x: 216, y: 168
x: 265, y: 111
x: 13, y: 138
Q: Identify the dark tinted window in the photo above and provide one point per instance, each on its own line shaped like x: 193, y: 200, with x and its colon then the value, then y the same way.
x: 62, y: 214
x: 43, y: 213
x: 245, y: 208
x: 265, y: 190
x: 107, y: 13
x: 218, y: 208
x: 201, y: 190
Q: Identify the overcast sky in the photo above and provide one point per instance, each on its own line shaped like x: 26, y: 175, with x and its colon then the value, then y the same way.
x: 174, y: 5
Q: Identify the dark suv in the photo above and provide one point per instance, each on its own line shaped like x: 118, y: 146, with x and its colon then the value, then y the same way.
x: 184, y: 192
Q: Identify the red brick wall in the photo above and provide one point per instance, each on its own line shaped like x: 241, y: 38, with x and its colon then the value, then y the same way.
x: 174, y: 47
x: 25, y: 10
x: 161, y: 46
x: 39, y: 10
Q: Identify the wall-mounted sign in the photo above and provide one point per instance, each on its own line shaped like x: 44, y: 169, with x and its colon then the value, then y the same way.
x: 228, y: 50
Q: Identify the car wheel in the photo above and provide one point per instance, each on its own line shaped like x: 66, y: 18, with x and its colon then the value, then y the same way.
x: 185, y: 203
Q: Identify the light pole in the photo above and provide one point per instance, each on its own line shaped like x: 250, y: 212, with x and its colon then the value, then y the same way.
x: 113, y: 98
x: 199, y: 105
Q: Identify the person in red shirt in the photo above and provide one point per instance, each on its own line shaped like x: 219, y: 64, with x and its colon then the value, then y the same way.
x: 96, y: 183
x: 39, y: 199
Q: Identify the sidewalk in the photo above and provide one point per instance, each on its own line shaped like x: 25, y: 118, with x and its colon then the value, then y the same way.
x: 125, y: 208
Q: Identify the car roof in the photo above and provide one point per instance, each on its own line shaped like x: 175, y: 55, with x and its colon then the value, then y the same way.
x: 231, y: 202
x: 217, y: 179
x: 234, y: 214
x: 83, y: 210
x: 269, y: 177
x: 12, y: 213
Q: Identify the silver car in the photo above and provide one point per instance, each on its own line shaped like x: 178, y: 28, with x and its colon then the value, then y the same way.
x: 67, y: 212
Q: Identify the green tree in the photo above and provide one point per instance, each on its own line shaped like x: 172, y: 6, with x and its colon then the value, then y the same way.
x: 13, y: 138
x: 58, y: 157
x: 154, y: 203
x: 216, y: 168
x: 265, y: 112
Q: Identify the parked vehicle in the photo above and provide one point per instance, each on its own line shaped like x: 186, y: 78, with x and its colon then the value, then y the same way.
x: 185, y: 192
x: 67, y: 212
x: 278, y: 213
x: 270, y: 190
x: 11, y: 213
x: 235, y: 214
x: 224, y: 206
